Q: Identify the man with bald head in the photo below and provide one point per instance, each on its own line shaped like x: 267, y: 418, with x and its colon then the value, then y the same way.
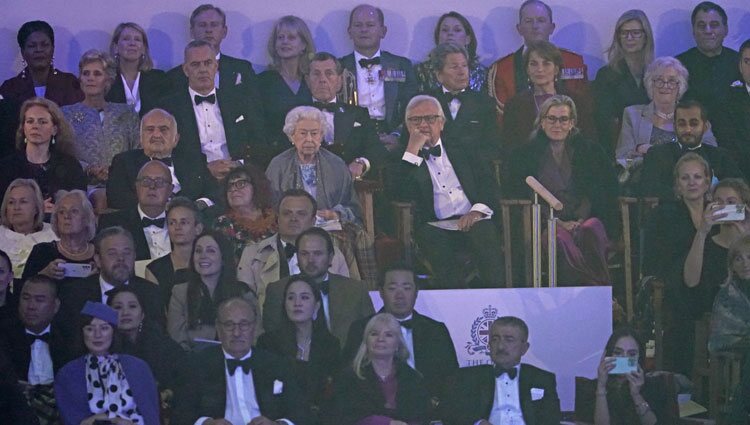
x: 159, y: 137
x: 507, y: 76
x: 235, y: 383
x: 146, y: 219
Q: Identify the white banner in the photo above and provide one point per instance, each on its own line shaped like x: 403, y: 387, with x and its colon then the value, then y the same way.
x: 568, y: 327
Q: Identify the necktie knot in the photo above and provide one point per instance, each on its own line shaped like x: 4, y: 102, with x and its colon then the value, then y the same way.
x: 408, y: 324
x: 166, y: 161
x: 426, y: 153
x: 325, y: 287
x: 366, y: 63
x: 158, y: 222
x: 233, y: 364
x: 31, y: 338
x: 326, y: 106
x: 211, y: 98
x: 511, y: 372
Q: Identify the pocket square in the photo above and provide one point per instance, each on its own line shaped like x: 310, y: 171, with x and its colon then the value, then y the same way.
x: 357, y: 124
x: 474, y: 122
x: 238, y: 81
x: 240, y: 118
x: 278, y: 387
x: 537, y: 394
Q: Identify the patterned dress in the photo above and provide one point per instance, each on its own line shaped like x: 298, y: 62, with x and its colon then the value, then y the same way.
x: 427, y: 79
x: 242, y: 231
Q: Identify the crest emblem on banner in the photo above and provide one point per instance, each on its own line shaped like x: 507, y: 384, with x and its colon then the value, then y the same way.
x: 480, y: 332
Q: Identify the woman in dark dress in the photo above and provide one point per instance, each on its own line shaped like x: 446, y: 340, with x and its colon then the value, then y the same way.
x: 578, y: 173
x: 305, y: 339
x: 620, y: 82
x: 282, y: 86
x: 39, y: 78
x: 137, y: 82
x: 44, y: 143
x: 380, y: 387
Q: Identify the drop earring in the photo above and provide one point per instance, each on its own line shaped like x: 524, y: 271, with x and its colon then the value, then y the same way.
x: 52, y: 141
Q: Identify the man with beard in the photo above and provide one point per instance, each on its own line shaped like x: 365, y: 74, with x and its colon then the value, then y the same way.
x: 690, y: 122
x: 115, y: 259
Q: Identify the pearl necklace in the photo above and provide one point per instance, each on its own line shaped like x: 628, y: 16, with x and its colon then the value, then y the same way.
x: 664, y: 116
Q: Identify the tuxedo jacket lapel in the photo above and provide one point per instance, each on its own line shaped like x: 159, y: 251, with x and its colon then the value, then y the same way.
x: 343, y: 120
x: 390, y: 87
x: 487, y: 392
x: 524, y: 394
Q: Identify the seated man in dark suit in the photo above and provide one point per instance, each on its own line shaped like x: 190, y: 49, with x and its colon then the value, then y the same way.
x: 209, y: 23
x: 159, y: 137
x: 690, y: 122
x: 469, y: 115
x: 225, y: 125
x: 146, y: 219
x: 235, y: 383
x: 115, y: 258
x: 35, y: 346
x: 384, y: 82
x: 448, y: 182
x: 508, y: 391
x: 352, y: 135
x: 430, y: 346
x: 344, y: 300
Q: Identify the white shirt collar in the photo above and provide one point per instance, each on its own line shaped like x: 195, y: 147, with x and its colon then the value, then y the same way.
x: 230, y: 357
x: 747, y: 87
x: 358, y: 56
x: 218, y: 56
x: 409, y: 317
x: 690, y: 148
x: 194, y: 93
x: 46, y: 330
x: 143, y: 214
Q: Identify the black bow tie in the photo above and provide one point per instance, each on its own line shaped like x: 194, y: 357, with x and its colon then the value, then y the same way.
x: 290, y: 250
x: 158, y: 222
x: 166, y: 161
x: 408, y: 324
x: 426, y: 153
x: 448, y: 96
x: 325, y: 287
x: 211, y: 98
x: 233, y: 364
x: 326, y: 106
x: 512, y: 372
x: 366, y: 63
x: 30, y: 338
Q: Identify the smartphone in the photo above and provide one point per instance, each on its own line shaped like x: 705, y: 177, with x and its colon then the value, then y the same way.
x: 76, y: 269
x: 734, y: 212
x: 624, y: 365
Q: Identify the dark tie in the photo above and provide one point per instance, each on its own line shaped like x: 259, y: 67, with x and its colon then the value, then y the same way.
x: 166, y: 161
x: 233, y: 364
x: 408, y: 324
x: 158, y: 222
x: 289, y: 251
x: 448, y: 96
x: 211, y: 98
x: 426, y: 153
x: 30, y: 338
x: 499, y: 371
x: 328, y: 107
x: 325, y: 287
x: 366, y: 63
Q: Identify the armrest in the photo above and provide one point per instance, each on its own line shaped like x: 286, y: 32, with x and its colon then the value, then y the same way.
x: 365, y: 189
x: 405, y: 226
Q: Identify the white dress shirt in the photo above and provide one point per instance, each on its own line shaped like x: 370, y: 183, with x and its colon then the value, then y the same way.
x: 41, y: 371
x: 371, y: 87
x: 210, y: 127
x: 292, y: 262
x: 455, y: 104
x: 506, y: 408
x: 409, y: 339
x: 157, y: 237
x: 216, y: 77
x: 449, y: 198
x: 133, y: 97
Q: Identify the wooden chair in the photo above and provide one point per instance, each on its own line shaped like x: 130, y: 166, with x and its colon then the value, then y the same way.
x: 724, y: 376
x: 701, y: 361
x: 365, y: 191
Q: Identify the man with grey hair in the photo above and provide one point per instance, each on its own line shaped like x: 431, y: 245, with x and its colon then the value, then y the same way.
x: 224, y: 126
x: 209, y: 23
x: 159, y: 137
x: 453, y: 186
x: 146, y: 219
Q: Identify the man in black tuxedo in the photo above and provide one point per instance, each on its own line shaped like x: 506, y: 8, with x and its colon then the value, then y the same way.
x: 146, y: 220
x: 470, y: 118
x: 430, y: 346
x: 448, y: 182
x: 690, y: 122
x: 115, y: 259
x: 159, y: 137
x: 526, y: 392
x: 235, y: 383
x: 384, y: 82
x: 209, y: 23
x: 352, y: 135
x: 225, y: 125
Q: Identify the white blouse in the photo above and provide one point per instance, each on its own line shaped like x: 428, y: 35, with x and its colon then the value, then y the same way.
x: 18, y: 246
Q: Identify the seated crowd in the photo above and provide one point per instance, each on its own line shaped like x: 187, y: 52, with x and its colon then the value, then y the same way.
x: 191, y: 247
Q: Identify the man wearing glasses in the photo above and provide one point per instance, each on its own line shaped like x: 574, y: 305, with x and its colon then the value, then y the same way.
x: 235, y: 383
x: 453, y: 187
x: 146, y: 219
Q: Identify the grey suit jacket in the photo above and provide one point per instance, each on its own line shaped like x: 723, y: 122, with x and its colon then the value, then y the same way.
x: 636, y: 130
x: 348, y: 301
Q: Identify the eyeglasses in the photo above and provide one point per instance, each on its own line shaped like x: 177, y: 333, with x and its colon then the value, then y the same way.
x: 230, y: 326
x: 661, y: 83
x: 429, y: 119
x: 239, y: 184
x: 636, y: 34
x: 552, y: 120
x: 150, y: 183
